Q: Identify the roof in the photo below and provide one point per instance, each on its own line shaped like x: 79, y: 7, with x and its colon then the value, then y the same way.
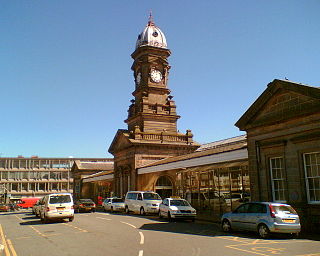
x: 222, y: 143
x: 151, y: 36
x: 272, y: 89
x: 98, y: 166
x: 99, y: 174
x: 226, y: 145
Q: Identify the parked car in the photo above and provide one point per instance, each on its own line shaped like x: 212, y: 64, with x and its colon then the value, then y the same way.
x: 177, y: 208
x: 4, y: 208
x: 262, y: 217
x: 27, y: 202
x: 57, y: 206
x: 142, y: 202
x: 36, y: 207
x: 234, y: 199
x: 207, y: 200
x: 84, y: 205
x: 113, y: 204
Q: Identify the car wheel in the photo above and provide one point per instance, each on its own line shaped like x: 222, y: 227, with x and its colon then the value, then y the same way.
x: 263, y: 231
x: 111, y: 209
x: 294, y: 235
x: 142, y: 212
x: 226, y: 226
x: 71, y: 219
x: 126, y: 210
x: 45, y: 219
x: 160, y: 215
x: 169, y: 216
x: 104, y: 209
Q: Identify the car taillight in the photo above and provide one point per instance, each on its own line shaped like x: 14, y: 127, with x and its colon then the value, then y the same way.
x: 94, y: 205
x: 72, y: 206
x: 81, y: 205
x: 272, y: 212
x: 48, y: 209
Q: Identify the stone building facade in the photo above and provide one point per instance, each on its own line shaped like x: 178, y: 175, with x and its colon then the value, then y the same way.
x: 283, y: 131
x: 214, y: 179
x: 83, y: 188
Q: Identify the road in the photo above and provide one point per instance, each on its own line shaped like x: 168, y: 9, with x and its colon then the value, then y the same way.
x: 114, y: 234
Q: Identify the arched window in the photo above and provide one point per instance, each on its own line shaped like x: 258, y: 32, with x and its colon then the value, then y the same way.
x: 164, y: 187
x: 164, y: 181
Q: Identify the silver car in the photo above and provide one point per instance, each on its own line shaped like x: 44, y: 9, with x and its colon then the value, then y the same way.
x: 262, y: 217
x: 113, y: 204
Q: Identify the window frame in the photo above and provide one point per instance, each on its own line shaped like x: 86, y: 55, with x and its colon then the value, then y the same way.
x: 306, y: 177
x: 283, y: 179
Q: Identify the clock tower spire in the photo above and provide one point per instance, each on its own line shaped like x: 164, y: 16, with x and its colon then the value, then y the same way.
x: 153, y: 108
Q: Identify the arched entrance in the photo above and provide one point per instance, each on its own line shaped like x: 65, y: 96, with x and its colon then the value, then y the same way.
x: 164, y: 186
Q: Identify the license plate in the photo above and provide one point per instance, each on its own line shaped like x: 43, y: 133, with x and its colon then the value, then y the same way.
x: 60, y: 208
x: 288, y: 220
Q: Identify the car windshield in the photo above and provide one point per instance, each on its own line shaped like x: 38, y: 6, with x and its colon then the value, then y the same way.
x: 117, y: 200
x: 85, y: 201
x: 60, y: 199
x: 151, y: 196
x: 284, y: 209
x: 179, y: 203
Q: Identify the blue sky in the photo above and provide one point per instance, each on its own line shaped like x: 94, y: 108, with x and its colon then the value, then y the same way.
x: 65, y: 74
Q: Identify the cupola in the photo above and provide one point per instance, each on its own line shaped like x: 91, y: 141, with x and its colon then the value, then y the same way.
x: 151, y: 36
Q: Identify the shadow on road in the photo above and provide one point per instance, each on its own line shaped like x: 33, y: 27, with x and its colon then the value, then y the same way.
x: 184, y: 227
x: 213, y: 229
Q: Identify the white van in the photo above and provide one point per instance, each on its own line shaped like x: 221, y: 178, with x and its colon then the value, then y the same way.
x: 57, y: 206
x: 142, y: 202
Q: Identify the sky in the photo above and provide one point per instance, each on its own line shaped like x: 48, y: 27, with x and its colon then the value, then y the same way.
x: 65, y: 66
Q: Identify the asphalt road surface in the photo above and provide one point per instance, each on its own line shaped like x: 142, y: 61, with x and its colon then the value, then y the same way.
x: 99, y: 233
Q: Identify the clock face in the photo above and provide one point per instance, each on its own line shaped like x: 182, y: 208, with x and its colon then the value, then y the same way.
x: 138, y: 78
x: 156, y: 76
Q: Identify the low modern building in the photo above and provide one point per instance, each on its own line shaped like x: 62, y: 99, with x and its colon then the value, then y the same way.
x: 283, y: 132
x: 36, y: 177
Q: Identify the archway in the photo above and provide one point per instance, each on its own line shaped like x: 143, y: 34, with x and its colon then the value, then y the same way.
x: 164, y: 186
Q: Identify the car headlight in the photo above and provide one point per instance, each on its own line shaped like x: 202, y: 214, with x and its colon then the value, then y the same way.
x: 193, y: 211
x: 175, y: 211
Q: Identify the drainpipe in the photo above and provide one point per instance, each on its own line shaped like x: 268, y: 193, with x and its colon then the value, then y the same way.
x: 258, y: 161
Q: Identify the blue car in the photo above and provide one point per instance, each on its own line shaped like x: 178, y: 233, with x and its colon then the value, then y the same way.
x: 262, y: 217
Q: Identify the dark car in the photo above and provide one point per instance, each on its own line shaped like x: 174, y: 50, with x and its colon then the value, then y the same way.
x: 84, y: 205
x: 4, y: 208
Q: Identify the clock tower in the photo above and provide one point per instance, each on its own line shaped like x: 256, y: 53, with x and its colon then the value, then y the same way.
x: 152, y: 118
x: 152, y: 108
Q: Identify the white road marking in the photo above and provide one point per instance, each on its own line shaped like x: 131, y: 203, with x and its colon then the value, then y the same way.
x: 141, y: 253
x: 128, y: 224
x: 141, y: 238
x: 102, y: 213
x: 102, y: 218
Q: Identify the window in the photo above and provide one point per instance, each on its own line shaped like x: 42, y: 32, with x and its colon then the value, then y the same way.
x: 242, y: 208
x: 257, y: 208
x: 312, y: 173
x: 277, y: 179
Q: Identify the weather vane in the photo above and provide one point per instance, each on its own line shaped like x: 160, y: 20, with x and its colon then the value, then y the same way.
x: 150, y: 22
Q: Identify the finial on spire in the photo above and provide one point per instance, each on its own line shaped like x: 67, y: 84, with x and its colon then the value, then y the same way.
x: 150, y: 22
